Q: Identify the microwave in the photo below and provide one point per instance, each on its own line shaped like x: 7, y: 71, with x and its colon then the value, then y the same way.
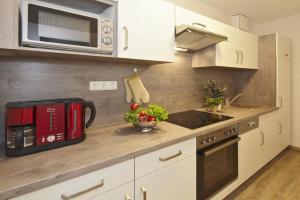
x: 53, y: 26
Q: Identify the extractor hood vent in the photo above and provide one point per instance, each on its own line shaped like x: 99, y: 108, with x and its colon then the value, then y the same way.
x: 194, y: 38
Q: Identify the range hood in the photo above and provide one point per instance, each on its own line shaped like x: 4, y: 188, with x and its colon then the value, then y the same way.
x: 194, y: 38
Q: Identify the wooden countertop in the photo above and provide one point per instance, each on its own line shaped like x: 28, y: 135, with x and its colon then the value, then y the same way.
x: 103, y: 147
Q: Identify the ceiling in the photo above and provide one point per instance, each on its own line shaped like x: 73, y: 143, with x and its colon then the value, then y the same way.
x: 258, y: 10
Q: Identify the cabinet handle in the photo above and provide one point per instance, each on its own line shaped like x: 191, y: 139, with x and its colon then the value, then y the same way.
x: 281, y: 102
x: 67, y: 197
x: 198, y: 24
x: 171, y: 157
x: 126, y: 38
x: 237, y: 56
x: 242, y: 57
x: 144, y: 193
x: 127, y: 197
x: 286, y: 54
x: 262, y: 138
x: 280, y: 125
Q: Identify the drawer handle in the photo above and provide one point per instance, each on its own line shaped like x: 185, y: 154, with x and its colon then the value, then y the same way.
x: 280, y: 125
x: 251, y: 124
x: 262, y: 138
x: 127, y: 197
x: 67, y: 197
x: 171, y: 157
x: 144, y: 193
x: 198, y: 24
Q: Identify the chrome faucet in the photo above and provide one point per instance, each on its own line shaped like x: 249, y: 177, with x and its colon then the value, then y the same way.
x: 229, y: 102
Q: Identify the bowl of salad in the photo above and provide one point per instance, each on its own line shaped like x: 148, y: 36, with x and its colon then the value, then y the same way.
x: 145, y: 118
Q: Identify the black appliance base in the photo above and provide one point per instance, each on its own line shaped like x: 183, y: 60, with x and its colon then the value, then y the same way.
x: 36, y: 149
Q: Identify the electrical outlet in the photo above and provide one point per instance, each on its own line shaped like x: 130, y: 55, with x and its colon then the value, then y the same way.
x: 103, y: 85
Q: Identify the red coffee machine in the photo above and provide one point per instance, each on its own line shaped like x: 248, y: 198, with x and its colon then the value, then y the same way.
x: 42, y: 125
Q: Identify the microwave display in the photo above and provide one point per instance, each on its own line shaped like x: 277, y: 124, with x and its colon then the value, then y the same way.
x: 50, y: 25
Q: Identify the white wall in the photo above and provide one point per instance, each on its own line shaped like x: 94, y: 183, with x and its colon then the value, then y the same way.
x: 289, y: 27
x: 204, y: 9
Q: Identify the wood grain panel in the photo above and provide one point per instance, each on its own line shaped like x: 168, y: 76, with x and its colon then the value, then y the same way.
x: 8, y: 24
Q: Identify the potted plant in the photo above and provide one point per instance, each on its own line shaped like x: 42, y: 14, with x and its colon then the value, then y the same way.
x: 214, y: 95
x: 145, y: 118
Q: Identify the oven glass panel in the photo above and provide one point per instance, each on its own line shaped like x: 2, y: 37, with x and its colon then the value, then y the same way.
x: 50, y: 25
x: 216, y: 170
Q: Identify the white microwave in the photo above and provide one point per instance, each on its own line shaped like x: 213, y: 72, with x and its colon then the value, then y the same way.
x: 52, y: 26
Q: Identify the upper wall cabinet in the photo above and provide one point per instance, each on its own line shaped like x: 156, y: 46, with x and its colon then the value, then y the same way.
x: 146, y: 30
x: 239, y: 51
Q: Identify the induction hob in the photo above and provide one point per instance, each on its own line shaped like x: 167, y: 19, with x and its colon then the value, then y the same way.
x: 194, y: 119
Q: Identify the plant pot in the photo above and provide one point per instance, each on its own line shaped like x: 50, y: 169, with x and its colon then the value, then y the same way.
x: 213, y: 108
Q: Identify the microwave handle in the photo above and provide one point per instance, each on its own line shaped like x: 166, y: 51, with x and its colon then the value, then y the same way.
x: 126, y: 38
x: 91, y: 106
x: 222, y: 146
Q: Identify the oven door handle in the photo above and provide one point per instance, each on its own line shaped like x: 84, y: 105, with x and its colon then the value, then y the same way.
x: 222, y: 146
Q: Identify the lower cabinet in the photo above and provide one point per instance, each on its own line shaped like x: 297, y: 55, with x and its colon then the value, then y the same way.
x: 166, y: 174
x: 111, y: 183
x: 249, y: 152
x: 176, y: 181
x: 259, y: 146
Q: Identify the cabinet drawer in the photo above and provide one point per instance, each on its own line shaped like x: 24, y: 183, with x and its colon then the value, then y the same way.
x: 86, y: 186
x: 155, y: 160
x: 268, y: 118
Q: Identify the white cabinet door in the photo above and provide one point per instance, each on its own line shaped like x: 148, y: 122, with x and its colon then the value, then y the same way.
x: 284, y: 86
x: 248, y: 47
x: 250, y: 152
x: 227, y: 51
x: 146, y: 36
x: 284, y: 139
x: 175, y: 181
x: 284, y: 50
x: 125, y: 192
x: 270, y: 130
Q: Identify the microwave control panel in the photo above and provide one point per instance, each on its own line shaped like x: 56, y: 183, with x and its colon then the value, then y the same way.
x: 107, y: 35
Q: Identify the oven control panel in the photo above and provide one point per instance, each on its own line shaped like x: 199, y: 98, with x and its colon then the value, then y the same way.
x: 217, y: 136
x: 231, y: 131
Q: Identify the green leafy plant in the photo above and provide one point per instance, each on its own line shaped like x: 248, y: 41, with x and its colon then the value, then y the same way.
x: 214, y: 94
x: 138, y: 114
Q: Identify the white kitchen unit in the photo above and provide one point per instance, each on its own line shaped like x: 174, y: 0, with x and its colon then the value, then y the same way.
x: 239, y: 51
x: 114, y: 182
x: 167, y: 174
x: 284, y: 87
x: 145, y: 36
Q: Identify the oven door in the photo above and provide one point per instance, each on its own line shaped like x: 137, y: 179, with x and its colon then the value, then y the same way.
x: 47, y: 25
x: 217, y: 165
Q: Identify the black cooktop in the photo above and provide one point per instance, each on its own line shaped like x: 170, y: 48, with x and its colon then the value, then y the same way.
x: 193, y: 119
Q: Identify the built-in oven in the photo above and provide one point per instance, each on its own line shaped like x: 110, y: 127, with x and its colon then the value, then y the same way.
x: 77, y: 25
x: 217, y: 161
